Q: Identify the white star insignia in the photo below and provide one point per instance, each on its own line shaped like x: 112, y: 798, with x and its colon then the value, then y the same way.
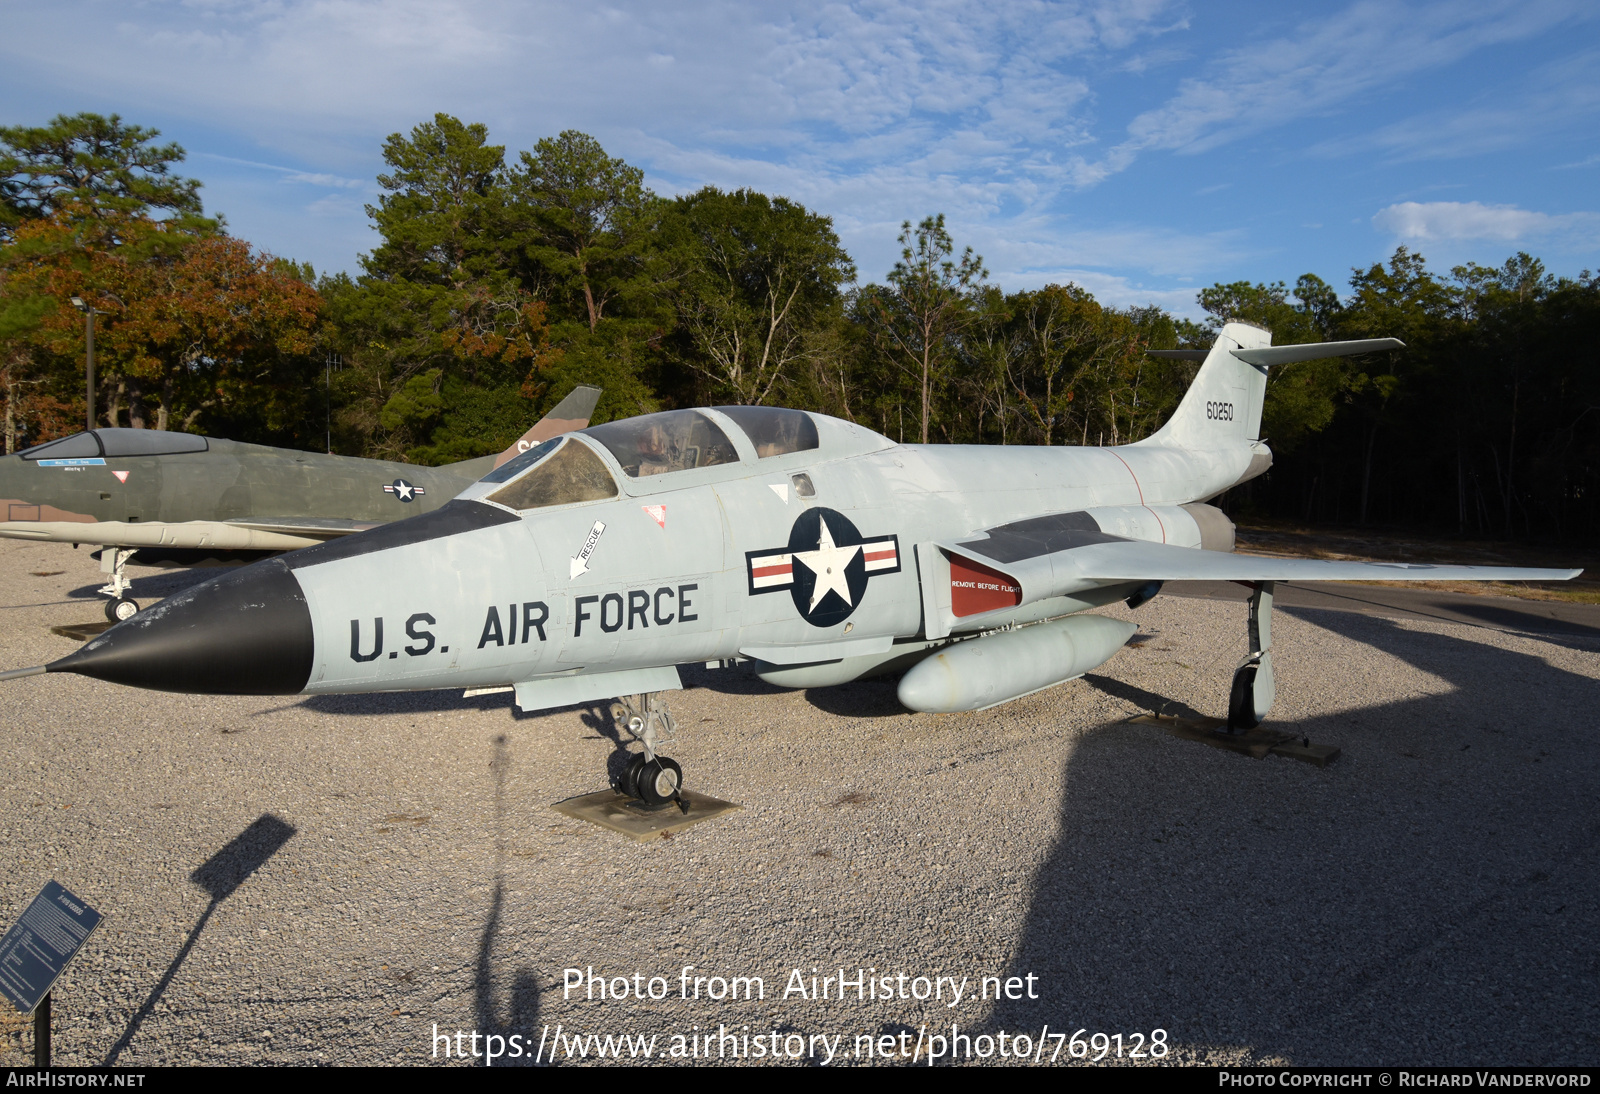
x: 828, y: 562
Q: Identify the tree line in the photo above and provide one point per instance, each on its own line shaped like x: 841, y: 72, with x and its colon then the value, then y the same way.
x: 500, y: 281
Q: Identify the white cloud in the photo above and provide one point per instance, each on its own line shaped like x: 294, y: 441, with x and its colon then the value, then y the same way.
x: 291, y: 174
x: 1558, y: 96
x: 1449, y: 221
x: 1319, y: 68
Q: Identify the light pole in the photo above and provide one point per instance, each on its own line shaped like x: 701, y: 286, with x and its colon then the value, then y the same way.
x: 89, y: 312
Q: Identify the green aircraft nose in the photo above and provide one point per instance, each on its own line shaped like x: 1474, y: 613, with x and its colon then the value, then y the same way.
x: 245, y: 633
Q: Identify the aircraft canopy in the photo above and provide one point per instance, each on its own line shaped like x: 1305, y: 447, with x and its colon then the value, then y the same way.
x: 117, y: 442
x: 773, y: 430
x: 674, y: 440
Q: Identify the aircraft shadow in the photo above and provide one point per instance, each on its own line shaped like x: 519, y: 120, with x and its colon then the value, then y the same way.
x: 1376, y: 910
x: 219, y: 876
x: 387, y: 703
x: 150, y: 587
x: 1144, y: 700
x: 873, y: 698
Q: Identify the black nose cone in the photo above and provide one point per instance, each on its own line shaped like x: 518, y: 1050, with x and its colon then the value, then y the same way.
x: 245, y: 633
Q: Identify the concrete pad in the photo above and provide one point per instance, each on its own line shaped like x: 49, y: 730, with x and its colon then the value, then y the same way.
x: 1256, y: 743
x: 632, y: 818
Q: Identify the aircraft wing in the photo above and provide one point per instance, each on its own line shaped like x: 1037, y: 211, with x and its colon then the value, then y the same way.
x: 999, y: 570
x: 1135, y: 561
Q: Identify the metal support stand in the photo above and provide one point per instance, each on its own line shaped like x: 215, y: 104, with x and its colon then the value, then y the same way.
x: 1253, y: 689
x: 41, y: 1032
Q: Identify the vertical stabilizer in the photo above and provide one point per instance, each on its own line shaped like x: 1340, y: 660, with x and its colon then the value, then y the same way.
x: 1222, y: 408
x: 569, y: 414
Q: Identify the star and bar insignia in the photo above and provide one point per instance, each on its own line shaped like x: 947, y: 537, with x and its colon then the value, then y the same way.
x: 825, y: 567
x: 403, y: 490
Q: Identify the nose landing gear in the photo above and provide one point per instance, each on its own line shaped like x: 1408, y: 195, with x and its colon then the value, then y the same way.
x: 651, y: 778
x: 114, y: 561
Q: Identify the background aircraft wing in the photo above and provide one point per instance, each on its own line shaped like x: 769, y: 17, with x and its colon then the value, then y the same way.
x: 270, y: 534
x: 320, y: 527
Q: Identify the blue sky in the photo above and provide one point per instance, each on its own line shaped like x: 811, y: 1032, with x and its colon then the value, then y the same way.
x: 1142, y: 148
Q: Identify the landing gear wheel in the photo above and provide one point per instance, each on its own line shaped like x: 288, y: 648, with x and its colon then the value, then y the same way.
x: 1241, y: 701
x: 124, y: 607
x: 628, y: 781
x: 659, y: 781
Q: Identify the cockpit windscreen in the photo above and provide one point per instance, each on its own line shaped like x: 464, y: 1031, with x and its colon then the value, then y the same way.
x: 560, y: 475
x: 521, y: 462
x: 674, y: 440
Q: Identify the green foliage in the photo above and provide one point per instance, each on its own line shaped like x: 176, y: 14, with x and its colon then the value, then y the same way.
x: 90, y: 161
x: 444, y: 209
x: 754, y: 281
x: 591, y: 218
x: 917, y: 318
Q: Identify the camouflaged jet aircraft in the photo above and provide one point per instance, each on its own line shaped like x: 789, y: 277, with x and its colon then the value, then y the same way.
x: 593, y: 565
x: 152, y: 497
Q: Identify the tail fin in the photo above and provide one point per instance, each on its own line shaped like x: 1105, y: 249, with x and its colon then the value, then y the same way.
x: 570, y: 413
x: 1222, y: 408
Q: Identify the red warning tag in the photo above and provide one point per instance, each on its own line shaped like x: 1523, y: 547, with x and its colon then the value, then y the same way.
x: 976, y: 589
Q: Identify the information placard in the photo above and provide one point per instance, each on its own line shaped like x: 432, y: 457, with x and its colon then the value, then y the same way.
x: 35, y: 950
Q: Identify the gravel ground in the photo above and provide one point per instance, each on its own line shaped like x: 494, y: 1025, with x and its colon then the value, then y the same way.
x: 391, y: 864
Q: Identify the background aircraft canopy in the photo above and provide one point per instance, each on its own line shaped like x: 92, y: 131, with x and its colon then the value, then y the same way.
x: 773, y: 430
x: 674, y: 440
x: 558, y: 472
x: 116, y: 442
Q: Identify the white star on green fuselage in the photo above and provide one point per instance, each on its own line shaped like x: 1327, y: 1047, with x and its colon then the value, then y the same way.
x: 828, y: 563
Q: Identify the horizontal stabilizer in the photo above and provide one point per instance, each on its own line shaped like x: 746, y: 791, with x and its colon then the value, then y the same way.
x: 1288, y: 355
x: 1311, y: 351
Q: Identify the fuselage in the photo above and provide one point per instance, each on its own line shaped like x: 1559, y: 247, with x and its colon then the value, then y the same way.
x: 148, y: 475
x: 689, y: 565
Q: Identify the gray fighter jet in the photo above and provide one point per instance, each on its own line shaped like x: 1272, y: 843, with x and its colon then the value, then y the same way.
x: 592, y: 565
x: 152, y: 497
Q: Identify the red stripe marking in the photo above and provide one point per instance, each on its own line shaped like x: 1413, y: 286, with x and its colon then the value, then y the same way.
x: 875, y: 556
x: 769, y: 571
x: 1135, y: 478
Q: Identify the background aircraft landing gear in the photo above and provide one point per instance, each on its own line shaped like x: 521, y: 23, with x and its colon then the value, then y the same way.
x: 1253, y: 687
x: 114, y: 561
x: 121, y: 608
x: 651, y: 778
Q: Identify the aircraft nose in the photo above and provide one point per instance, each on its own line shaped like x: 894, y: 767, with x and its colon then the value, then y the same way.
x: 247, y: 632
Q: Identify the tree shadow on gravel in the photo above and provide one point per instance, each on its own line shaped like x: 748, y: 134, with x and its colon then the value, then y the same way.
x: 1428, y: 898
x: 219, y: 876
